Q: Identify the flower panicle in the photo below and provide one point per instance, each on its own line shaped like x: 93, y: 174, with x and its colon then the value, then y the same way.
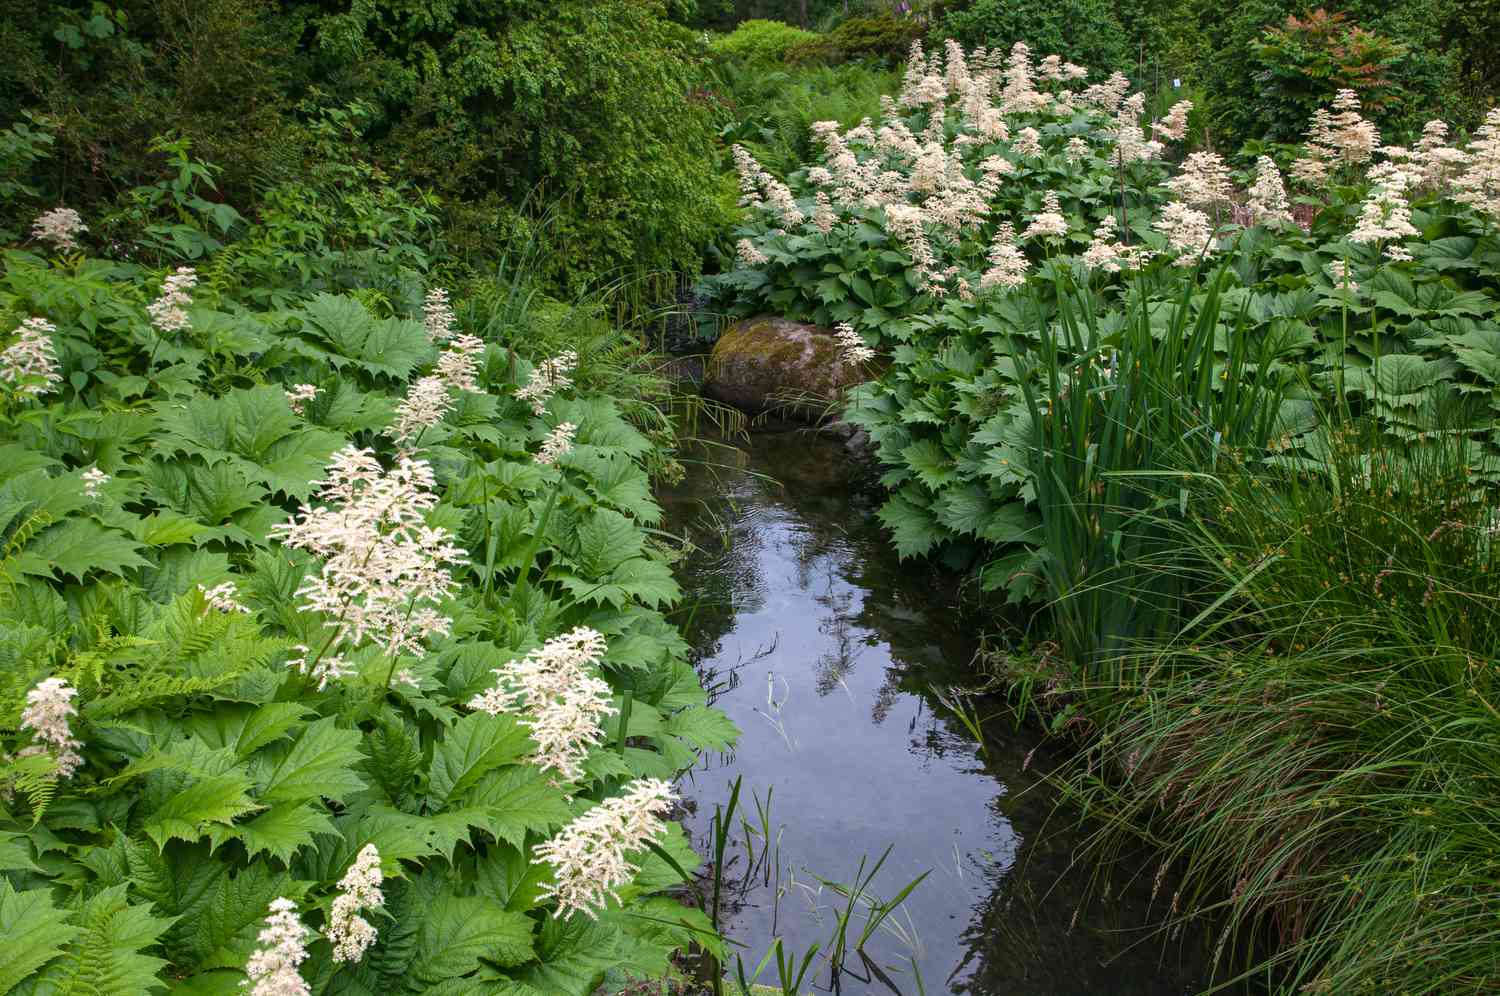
x: 547, y: 378
x: 30, y: 363
x: 853, y: 350
x: 273, y: 967
x: 560, y: 698
x: 49, y: 707
x: 351, y: 934
x: 559, y: 443
x: 60, y: 226
x: 169, y: 311
x: 588, y: 856
x: 384, y: 569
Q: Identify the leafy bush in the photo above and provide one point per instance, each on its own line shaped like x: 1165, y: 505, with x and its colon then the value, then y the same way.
x: 1269, y: 567
x: 211, y: 734
x: 758, y: 41
x: 1304, y: 62
x: 1426, y: 77
x: 880, y: 36
x: 774, y: 111
x: 912, y: 257
x: 1085, y: 31
x: 581, y: 120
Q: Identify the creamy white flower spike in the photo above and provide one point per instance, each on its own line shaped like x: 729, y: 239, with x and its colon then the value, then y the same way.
x: 1268, y: 204
x: 760, y: 189
x: 1439, y: 162
x: 904, y: 222
x: 30, y: 363
x: 351, y: 934
x: 1173, y: 127
x: 559, y: 442
x: 458, y: 365
x: 748, y: 255
x: 1479, y: 184
x: 560, y: 698
x: 1110, y: 255
x: 384, y: 569
x: 547, y: 378
x: 852, y: 348
x: 48, y: 708
x: 61, y: 227
x: 427, y: 401
x: 325, y: 669
x: 1049, y: 222
x: 169, y: 311
x: 1342, y: 277
x: 1028, y: 142
x: 588, y: 856
x: 1203, y: 182
x: 300, y: 394
x: 437, y: 316
x: 1189, y: 232
x: 1385, y: 215
x: 94, y: 479
x: 223, y: 597
x: 273, y: 968
x: 1008, y: 264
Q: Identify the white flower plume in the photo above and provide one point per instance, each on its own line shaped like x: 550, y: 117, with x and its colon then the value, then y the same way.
x: 588, y: 855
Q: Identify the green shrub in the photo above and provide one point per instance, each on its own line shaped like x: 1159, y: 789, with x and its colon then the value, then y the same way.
x: 1303, y: 62
x: 880, y: 36
x: 1423, y: 83
x: 758, y: 41
x: 1083, y: 31
x: 581, y: 122
x: 774, y: 110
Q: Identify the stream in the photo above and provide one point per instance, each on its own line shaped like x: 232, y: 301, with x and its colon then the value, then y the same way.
x: 830, y: 654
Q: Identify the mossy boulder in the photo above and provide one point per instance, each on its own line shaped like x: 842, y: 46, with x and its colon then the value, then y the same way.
x: 768, y: 364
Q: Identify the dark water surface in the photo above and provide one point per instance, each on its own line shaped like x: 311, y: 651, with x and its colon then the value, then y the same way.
x: 826, y: 651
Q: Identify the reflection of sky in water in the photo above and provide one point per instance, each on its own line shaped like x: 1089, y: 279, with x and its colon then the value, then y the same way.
x: 821, y: 661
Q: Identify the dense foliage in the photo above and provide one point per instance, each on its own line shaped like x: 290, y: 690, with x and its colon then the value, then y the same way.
x: 264, y: 550
x: 1047, y: 25
x: 911, y: 259
x: 1215, y: 429
x: 579, y: 113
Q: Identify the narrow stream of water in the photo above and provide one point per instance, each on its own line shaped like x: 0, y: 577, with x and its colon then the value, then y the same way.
x: 826, y: 651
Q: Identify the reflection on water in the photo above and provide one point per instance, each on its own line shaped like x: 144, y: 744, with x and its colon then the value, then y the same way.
x: 824, y: 649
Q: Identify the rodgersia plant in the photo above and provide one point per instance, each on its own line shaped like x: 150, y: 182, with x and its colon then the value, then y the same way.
x: 281, y: 614
x: 384, y: 570
x: 994, y: 182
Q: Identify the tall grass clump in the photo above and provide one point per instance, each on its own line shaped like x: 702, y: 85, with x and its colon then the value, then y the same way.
x: 1116, y: 420
x: 1316, y: 746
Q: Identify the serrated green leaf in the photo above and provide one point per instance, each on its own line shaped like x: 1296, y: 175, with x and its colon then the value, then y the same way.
x: 458, y: 931
x: 34, y: 932
x: 913, y: 528
x: 703, y: 727
x: 222, y: 931
x: 572, y: 956
x: 474, y: 746
x: 206, y: 802
x: 321, y: 763
x: 605, y: 539
x: 519, y: 798
x: 77, y: 546
x: 284, y: 829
